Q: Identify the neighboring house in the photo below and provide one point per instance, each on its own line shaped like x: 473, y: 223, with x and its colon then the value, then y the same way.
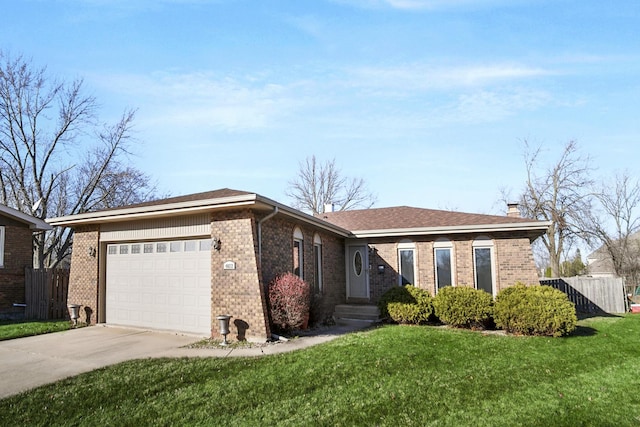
x: 177, y: 263
x: 600, y: 264
x: 16, y: 254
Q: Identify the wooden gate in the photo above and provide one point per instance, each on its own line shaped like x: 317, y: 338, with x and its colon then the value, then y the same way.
x: 46, y: 293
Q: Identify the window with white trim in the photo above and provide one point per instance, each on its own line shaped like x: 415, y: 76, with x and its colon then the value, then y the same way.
x: 443, y: 259
x: 298, y: 253
x: 1, y: 246
x: 483, y: 265
x: 317, y: 264
x: 406, y: 263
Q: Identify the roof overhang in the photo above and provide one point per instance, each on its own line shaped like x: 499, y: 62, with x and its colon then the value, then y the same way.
x: 35, y: 224
x: 249, y: 201
x: 534, y: 229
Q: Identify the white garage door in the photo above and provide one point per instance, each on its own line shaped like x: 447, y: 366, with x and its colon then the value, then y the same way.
x: 160, y: 285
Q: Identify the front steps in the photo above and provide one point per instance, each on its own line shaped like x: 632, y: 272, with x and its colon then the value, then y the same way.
x: 356, y: 314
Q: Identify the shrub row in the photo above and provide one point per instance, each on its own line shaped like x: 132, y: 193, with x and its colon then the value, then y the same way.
x: 520, y: 309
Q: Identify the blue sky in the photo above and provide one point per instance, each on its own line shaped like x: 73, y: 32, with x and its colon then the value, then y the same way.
x: 427, y: 100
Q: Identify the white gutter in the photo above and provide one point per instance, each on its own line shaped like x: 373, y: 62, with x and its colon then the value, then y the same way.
x: 424, y: 231
x: 193, y: 206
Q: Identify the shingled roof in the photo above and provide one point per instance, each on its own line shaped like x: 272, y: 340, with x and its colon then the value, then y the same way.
x: 405, y: 219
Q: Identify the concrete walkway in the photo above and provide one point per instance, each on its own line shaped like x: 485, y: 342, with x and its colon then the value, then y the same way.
x: 30, y: 362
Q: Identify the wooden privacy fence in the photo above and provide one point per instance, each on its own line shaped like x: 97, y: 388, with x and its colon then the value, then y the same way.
x: 46, y: 293
x: 592, y: 294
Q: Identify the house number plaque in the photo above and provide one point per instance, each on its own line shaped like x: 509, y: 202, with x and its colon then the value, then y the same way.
x: 229, y: 265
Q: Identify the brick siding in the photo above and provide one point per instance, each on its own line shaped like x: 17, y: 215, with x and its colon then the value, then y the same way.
x: 18, y: 255
x: 277, y: 257
x: 238, y: 292
x: 83, y: 276
x: 513, y: 262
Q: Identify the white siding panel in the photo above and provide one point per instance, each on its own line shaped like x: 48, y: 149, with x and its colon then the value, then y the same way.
x: 163, y: 228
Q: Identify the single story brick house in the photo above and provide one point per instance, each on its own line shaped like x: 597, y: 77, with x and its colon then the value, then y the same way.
x: 16, y: 254
x: 177, y: 263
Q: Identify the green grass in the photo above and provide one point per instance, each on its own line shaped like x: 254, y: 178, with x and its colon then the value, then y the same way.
x: 12, y: 330
x: 390, y: 376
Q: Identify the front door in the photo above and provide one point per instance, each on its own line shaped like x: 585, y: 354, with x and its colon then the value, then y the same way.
x: 357, y: 272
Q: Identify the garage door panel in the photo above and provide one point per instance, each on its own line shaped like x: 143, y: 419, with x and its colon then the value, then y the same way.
x: 164, y: 290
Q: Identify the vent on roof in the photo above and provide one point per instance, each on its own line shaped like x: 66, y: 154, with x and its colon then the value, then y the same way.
x: 329, y: 207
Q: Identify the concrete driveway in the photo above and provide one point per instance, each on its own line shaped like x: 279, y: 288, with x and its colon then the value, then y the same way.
x: 30, y: 362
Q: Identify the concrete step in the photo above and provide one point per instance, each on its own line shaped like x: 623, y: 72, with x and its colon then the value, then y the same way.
x: 364, y: 313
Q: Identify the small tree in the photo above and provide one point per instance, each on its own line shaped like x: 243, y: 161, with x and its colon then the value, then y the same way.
x: 318, y: 184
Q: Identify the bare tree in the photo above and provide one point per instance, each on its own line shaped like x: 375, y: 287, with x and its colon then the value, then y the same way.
x: 318, y: 184
x: 559, y: 194
x: 56, y: 157
x: 614, y: 225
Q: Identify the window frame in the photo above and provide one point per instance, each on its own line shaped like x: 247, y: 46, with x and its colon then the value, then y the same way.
x: 317, y: 264
x: 298, y: 252
x: 444, y: 245
x: 407, y: 246
x: 484, y: 243
x: 2, y: 240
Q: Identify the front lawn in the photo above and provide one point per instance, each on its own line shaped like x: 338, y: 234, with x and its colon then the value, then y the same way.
x: 390, y: 376
x: 11, y: 330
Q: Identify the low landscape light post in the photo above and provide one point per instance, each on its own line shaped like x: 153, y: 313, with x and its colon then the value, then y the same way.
x: 73, y: 313
x: 224, y: 327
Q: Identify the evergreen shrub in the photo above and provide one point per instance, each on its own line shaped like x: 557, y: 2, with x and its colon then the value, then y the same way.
x: 464, y: 307
x: 406, y: 304
x: 534, y: 310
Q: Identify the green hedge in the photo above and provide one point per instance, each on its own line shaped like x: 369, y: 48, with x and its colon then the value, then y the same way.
x: 534, y: 310
x: 464, y: 307
x: 406, y: 304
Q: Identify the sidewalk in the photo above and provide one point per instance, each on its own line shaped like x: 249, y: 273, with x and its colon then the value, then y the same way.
x: 306, y: 339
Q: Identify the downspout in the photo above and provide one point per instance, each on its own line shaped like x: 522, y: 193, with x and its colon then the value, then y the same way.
x: 268, y: 217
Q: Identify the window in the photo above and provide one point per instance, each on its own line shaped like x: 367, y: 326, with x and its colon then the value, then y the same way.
x: 406, y: 263
x: 483, y: 264
x: 175, y: 247
x: 443, y: 250
x: 298, y: 253
x: 205, y: 245
x: 1, y: 246
x: 112, y: 250
x: 317, y: 264
x: 124, y: 249
x: 148, y: 248
x: 135, y: 249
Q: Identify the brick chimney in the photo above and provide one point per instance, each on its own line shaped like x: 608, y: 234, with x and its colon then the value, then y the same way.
x: 512, y: 210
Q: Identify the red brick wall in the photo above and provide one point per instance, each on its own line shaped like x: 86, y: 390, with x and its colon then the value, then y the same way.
x: 513, y: 259
x: 18, y: 255
x: 277, y: 256
x: 238, y: 292
x: 83, y: 277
